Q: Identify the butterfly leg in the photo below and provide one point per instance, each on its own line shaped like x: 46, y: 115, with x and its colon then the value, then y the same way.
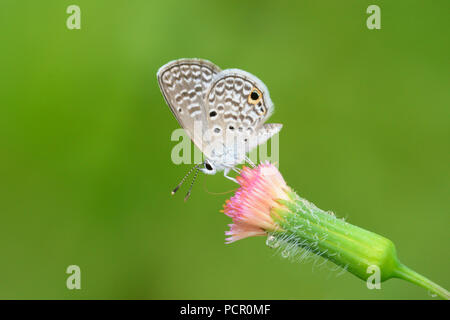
x: 250, y: 161
x: 225, y: 174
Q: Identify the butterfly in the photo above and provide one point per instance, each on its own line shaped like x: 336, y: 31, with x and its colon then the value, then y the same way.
x: 222, y: 111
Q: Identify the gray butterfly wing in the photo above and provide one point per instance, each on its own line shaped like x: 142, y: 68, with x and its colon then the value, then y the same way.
x: 237, y: 104
x: 184, y: 83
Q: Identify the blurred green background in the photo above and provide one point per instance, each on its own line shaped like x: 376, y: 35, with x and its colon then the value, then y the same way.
x: 85, y: 145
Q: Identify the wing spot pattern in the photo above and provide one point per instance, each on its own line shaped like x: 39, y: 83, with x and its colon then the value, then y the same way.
x: 230, y: 117
x: 206, y: 74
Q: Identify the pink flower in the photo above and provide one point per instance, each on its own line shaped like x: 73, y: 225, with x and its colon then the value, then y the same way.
x: 250, y: 207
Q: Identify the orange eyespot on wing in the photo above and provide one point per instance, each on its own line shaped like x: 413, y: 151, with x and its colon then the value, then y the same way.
x: 255, y: 96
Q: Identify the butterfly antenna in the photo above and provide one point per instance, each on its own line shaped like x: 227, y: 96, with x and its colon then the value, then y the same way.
x: 188, y: 194
x: 184, y: 178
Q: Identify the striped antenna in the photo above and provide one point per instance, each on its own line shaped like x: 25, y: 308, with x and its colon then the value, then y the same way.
x: 188, y: 194
x: 184, y: 178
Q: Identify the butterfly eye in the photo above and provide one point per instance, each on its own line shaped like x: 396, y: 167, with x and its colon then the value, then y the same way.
x: 208, y: 166
x: 254, y: 96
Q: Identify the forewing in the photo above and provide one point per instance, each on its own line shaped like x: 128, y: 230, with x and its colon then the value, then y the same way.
x: 184, y: 83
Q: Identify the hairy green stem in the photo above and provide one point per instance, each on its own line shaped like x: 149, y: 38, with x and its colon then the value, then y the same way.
x: 303, y: 225
x: 405, y: 273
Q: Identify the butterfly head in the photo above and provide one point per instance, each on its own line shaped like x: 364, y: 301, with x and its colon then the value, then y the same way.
x: 208, y: 167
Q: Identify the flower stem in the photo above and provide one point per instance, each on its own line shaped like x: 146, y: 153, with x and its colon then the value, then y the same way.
x: 345, y: 244
x: 265, y: 204
x: 405, y: 273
